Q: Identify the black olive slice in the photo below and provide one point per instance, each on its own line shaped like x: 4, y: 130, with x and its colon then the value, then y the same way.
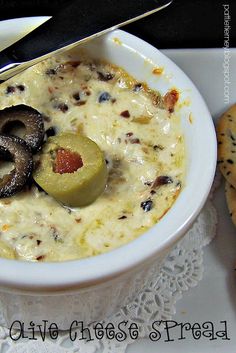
x: 30, y: 118
x: 15, y: 149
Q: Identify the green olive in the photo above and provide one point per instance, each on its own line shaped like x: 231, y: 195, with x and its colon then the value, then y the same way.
x: 72, y: 169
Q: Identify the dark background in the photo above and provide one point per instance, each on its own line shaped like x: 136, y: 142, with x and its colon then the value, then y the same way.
x: 184, y: 24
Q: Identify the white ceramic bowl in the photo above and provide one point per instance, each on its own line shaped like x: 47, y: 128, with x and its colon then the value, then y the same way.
x: 62, y: 292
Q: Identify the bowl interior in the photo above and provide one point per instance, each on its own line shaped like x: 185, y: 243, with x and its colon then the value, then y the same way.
x: 138, y: 58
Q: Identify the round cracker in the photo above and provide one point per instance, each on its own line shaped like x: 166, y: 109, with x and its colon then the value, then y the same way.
x: 226, y: 135
x: 230, y: 193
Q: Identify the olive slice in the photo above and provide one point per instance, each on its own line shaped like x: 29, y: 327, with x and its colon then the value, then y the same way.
x: 72, y: 169
x: 15, y: 149
x: 30, y: 118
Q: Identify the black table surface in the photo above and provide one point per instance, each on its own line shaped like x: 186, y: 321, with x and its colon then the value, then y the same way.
x: 184, y: 24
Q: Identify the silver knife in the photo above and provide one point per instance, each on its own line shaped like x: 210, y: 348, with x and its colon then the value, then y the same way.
x: 82, y: 20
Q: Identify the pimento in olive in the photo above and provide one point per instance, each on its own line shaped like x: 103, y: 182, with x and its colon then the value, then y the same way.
x: 72, y: 169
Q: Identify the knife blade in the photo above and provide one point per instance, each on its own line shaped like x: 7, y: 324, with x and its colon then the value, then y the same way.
x: 81, y: 21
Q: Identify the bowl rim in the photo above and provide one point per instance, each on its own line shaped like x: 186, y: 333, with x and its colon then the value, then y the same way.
x: 76, y: 274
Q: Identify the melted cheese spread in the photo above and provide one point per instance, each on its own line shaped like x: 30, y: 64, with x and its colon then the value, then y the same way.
x: 141, y: 139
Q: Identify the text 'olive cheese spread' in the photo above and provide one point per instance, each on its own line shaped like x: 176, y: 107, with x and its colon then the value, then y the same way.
x: 142, y: 168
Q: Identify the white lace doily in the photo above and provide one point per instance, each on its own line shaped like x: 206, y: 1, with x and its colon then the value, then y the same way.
x: 182, y: 270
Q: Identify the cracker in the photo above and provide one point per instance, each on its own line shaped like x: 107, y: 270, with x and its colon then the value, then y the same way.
x: 226, y: 135
x: 230, y: 193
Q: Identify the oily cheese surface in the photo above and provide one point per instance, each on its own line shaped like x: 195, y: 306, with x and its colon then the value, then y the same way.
x: 140, y: 137
x: 226, y: 135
